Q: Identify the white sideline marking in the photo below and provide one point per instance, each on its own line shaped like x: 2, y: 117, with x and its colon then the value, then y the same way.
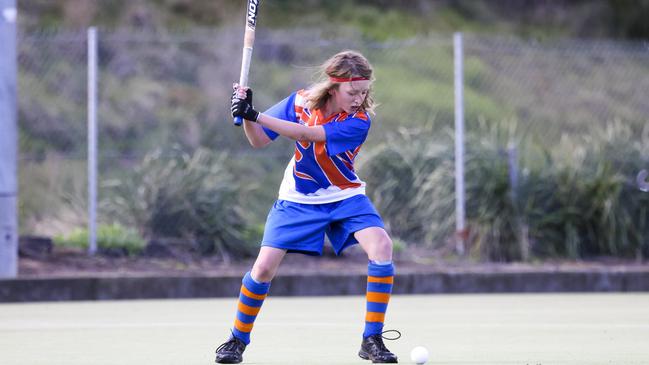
x: 30, y: 326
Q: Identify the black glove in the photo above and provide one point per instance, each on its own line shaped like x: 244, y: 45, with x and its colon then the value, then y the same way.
x: 241, y: 108
x: 248, y: 95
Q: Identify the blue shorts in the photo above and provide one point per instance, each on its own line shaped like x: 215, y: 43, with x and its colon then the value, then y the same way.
x: 301, y: 228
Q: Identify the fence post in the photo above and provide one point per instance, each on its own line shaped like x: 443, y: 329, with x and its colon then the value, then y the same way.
x: 8, y: 142
x: 460, y: 226
x: 512, y: 163
x: 92, y: 140
x: 520, y: 225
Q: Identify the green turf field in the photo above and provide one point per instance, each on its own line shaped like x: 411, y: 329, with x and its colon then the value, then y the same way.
x: 526, y: 329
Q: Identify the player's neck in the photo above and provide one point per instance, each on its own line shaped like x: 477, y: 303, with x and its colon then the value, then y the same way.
x: 330, y: 108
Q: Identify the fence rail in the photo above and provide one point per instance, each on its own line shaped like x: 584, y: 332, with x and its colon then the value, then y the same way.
x: 165, y: 94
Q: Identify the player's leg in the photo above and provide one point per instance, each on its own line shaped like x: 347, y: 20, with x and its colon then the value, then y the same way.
x: 380, y: 278
x: 376, y: 242
x: 357, y: 221
x: 267, y: 263
x: 254, y: 288
x: 290, y: 227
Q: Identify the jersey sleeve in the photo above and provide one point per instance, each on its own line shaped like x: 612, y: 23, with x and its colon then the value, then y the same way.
x: 346, y: 135
x: 284, y: 110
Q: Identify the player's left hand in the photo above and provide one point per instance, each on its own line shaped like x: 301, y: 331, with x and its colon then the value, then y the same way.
x: 242, y: 108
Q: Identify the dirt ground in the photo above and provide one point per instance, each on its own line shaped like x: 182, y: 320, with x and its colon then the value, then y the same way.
x: 74, y: 262
x: 65, y: 262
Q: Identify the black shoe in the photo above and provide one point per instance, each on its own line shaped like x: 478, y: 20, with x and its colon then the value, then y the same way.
x: 231, y: 352
x: 373, y: 349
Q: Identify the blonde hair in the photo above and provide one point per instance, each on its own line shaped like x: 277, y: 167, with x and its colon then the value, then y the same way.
x: 346, y: 64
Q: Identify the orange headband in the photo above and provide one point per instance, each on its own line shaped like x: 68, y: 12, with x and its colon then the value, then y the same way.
x: 346, y: 79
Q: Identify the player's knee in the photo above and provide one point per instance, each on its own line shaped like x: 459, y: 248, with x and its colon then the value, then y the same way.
x: 263, y: 272
x: 384, y: 246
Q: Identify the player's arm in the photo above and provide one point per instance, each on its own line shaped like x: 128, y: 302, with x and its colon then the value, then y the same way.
x: 298, y: 132
x: 242, y: 107
x: 255, y: 134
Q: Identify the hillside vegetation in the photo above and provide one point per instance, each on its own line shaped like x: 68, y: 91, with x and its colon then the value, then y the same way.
x: 569, y: 118
x: 375, y: 19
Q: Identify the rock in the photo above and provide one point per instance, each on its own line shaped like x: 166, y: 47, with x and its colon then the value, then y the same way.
x: 35, y: 246
x: 158, y: 250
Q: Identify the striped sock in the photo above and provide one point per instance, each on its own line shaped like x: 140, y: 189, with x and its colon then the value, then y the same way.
x: 251, y: 298
x: 379, y: 287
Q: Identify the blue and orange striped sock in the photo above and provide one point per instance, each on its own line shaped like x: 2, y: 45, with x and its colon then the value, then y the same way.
x: 251, y: 298
x: 379, y: 287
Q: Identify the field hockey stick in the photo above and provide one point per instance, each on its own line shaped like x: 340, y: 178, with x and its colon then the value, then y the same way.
x: 248, y: 43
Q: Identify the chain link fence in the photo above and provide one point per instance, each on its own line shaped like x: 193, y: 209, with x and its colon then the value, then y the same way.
x: 564, y: 87
x: 164, y: 107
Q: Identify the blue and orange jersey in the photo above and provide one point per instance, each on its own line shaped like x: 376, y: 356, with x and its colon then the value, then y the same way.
x: 321, y: 172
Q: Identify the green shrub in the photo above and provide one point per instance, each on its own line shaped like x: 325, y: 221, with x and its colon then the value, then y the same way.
x: 192, y: 197
x: 410, y: 180
x: 586, y: 203
x: 110, y: 238
x: 576, y: 199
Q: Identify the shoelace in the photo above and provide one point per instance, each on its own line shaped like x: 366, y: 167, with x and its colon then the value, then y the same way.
x: 391, y: 338
x: 382, y: 336
x: 229, y: 345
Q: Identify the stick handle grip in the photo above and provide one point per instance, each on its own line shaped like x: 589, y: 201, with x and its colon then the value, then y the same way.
x: 245, y: 68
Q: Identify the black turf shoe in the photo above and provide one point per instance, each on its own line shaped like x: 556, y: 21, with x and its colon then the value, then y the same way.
x: 373, y: 349
x: 231, y: 352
